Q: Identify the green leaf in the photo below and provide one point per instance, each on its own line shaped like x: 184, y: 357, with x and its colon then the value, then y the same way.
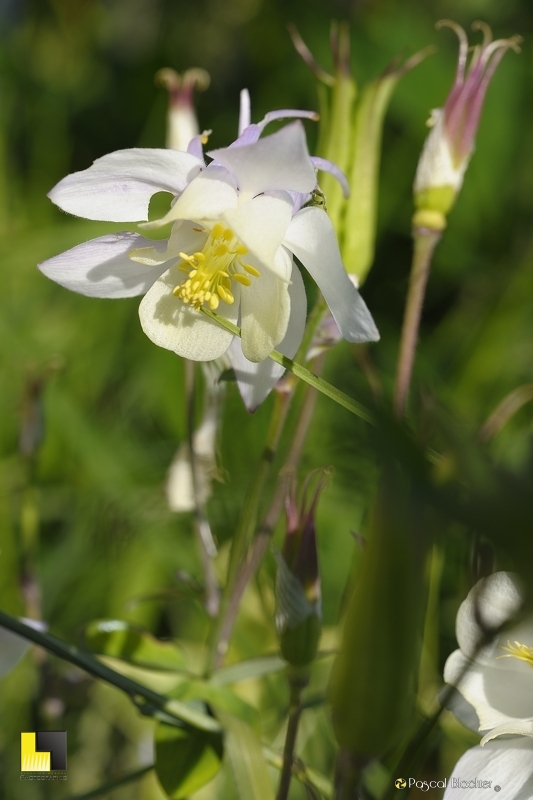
x: 121, y: 640
x: 220, y: 698
x: 251, y: 668
x: 245, y: 758
x: 186, y: 758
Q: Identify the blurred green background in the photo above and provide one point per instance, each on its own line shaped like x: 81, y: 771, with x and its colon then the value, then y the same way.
x: 85, y: 532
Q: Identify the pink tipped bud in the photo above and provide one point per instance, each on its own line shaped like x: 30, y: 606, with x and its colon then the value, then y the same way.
x: 451, y: 141
x: 182, y: 124
x: 298, y: 595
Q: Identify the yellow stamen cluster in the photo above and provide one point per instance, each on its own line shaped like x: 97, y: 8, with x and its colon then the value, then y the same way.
x: 211, y: 272
x: 521, y: 651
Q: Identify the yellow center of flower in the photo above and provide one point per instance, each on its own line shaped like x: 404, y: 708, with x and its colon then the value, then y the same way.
x: 521, y: 651
x: 211, y: 272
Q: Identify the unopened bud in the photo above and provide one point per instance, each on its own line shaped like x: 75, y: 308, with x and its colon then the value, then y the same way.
x: 298, y: 595
x: 182, y: 124
x: 450, y: 143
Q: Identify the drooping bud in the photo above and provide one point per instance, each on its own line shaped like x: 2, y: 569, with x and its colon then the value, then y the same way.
x: 298, y: 594
x: 450, y: 144
x: 182, y: 124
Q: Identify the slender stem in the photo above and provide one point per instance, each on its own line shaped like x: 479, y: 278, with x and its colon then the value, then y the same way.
x: 301, y: 372
x: 156, y: 705
x: 295, y: 709
x: 348, y: 775
x: 203, y: 529
x: 112, y: 785
x: 260, y: 544
x: 247, y: 525
x: 425, y: 241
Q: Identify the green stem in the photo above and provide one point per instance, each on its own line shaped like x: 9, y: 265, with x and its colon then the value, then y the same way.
x: 156, y: 705
x: 297, y: 685
x: 425, y: 241
x: 301, y: 372
x: 259, y: 546
x: 204, y: 535
x: 247, y: 524
x: 348, y: 775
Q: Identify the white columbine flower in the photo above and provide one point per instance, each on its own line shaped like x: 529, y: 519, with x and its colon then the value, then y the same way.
x: 236, y: 225
x: 495, y: 693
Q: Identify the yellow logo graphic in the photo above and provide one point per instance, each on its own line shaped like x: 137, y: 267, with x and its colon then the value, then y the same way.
x: 400, y: 783
x: 43, y: 751
x: 30, y: 759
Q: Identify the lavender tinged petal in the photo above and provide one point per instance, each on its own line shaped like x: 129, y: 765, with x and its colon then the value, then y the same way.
x: 328, y: 166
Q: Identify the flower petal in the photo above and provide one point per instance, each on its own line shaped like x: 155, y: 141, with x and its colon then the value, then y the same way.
x: 324, y: 165
x: 172, y: 324
x: 279, y: 161
x: 261, y: 224
x: 311, y: 237
x: 507, y: 764
x: 499, y: 689
x: 205, y: 198
x: 490, y: 603
x: 461, y: 709
x: 523, y: 727
x: 287, y: 113
x: 265, y: 309
x: 256, y: 380
x: 118, y: 186
x: 186, y: 237
x: 102, y: 268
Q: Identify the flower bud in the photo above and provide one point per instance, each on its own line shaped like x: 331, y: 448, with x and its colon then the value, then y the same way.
x: 450, y: 143
x: 351, y: 125
x: 298, y: 595
x: 182, y: 124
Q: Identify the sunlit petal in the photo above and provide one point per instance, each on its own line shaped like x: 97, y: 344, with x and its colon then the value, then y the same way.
x: 102, y: 268
x: 186, y: 236
x: 118, y: 186
x: 206, y: 198
x: 312, y: 239
x: 279, y: 161
x: 265, y: 309
x: 171, y: 324
x: 256, y: 380
x: 261, y: 224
